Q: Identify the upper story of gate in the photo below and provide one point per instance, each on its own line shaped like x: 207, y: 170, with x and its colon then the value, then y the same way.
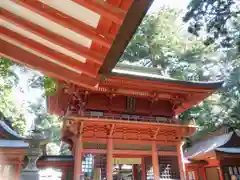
x: 131, y: 93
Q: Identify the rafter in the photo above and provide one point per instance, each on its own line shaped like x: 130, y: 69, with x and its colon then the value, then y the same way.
x: 33, y: 61
x: 65, y: 20
x: 104, y: 8
x: 53, y: 37
x: 63, y: 60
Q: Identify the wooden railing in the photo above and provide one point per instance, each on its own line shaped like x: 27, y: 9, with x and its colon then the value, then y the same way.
x: 125, y: 117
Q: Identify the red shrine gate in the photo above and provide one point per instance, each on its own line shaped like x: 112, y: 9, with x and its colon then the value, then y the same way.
x: 126, y: 118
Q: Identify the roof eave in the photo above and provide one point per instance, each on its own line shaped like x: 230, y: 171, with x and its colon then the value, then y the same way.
x: 209, y: 85
x: 133, y: 18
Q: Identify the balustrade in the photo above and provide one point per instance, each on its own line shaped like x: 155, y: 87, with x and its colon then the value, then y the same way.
x: 126, y: 117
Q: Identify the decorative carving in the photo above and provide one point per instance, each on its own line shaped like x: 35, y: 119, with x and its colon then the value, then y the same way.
x: 177, y: 101
x: 111, y: 130
x: 154, y: 96
x: 131, y: 104
x: 111, y: 95
x: 77, y: 99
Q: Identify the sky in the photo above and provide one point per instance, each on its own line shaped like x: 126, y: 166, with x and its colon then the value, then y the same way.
x: 23, y: 94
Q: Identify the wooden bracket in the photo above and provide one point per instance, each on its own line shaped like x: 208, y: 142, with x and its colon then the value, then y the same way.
x: 156, y: 133
x: 111, y: 130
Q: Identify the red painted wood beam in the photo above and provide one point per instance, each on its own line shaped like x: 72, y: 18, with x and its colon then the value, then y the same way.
x: 61, y: 58
x: 23, y: 57
x: 66, y: 21
x: 104, y: 9
x: 89, y: 54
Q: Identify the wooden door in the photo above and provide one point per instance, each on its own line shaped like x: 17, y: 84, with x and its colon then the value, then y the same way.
x: 212, y: 173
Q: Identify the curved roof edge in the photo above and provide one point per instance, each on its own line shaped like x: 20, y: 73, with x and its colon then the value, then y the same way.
x: 10, y: 133
x: 231, y: 150
x: 13, y: 144
x: 208, y: 145
x: 137, y: 72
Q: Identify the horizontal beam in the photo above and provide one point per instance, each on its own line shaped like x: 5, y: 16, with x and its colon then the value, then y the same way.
x: 95, y: 151
x: 53, y: 37
x: 104, y: 9
x: 136, y: 124
x: 123, y: 141
x: 65, y: 20
x: 21, y: 56
x: 130, y: 152
x: 54, y: 163
x: 65, y: 60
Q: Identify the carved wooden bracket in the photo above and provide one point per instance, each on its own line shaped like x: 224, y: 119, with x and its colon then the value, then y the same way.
x: 156, y: 133
x: 111, y: 94
x: 111, y: 130
x: 154, y: 96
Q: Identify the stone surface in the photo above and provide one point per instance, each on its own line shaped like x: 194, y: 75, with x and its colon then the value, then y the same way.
x: 34, y: 152
x: 30, y: 175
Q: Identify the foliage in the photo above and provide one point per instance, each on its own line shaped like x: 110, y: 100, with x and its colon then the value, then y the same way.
x: 155, y: 41
x: 43, y: 120
x: 6, y: 73
x: 8, y: 80
x: 223, y: 107
x: 49, y: 85
x: 49, y: 123
x: 218, y: 20
x: 161, y: 42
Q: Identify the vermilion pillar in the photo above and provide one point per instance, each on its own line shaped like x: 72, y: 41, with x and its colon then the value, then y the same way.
x: 143, y: 169
x: 134, y: 172
x: 221, y: 176
x: 78, y: 157
x: 17, y: 171
x: 109, y: 159
x: 180, y: 161
x: 203, y: 173
x: 155, y: 161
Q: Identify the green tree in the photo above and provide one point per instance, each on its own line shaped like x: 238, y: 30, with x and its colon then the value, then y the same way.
x: 8, y: 80
x: 162, y: 42
x: 49, y: 123
x: 217, y: 20
x: 47, y: 84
